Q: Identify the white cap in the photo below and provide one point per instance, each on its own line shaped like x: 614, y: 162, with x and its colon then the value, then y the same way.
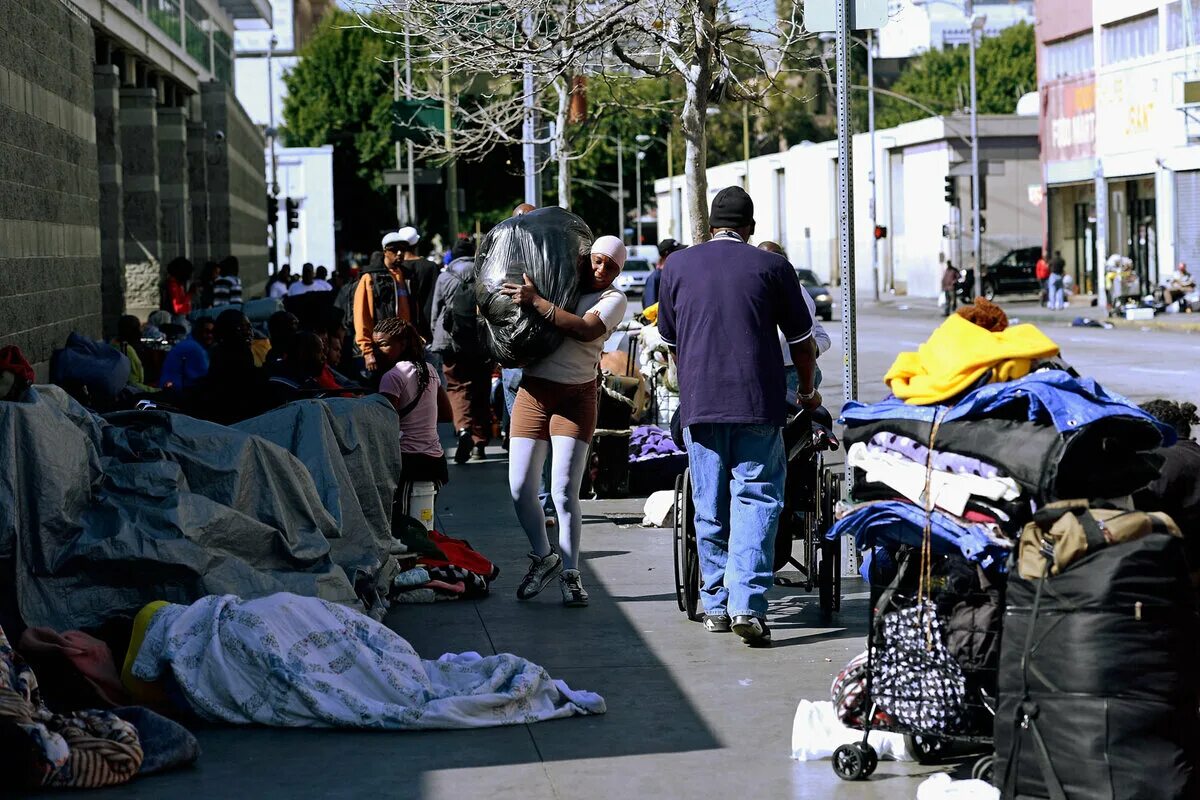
x: 391, y: 238
x: 409, y: 235
x: 612, y: 247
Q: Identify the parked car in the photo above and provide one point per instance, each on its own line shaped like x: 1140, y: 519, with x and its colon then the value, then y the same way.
x: 1015, y: 273
x: 632, y: 279
x: 821, y: 294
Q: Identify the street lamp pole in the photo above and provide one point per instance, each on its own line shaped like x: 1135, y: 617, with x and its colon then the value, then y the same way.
x: 274, y: 156
x: 976, y: 233
x: 620, y: 191
x: 871, y: 125
x: 638, y: 170
x: 746, y: 140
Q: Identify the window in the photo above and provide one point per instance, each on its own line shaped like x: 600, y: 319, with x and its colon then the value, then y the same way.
x: 1130, y: 39
x: 1068, y: 57
x: 1183, y: 24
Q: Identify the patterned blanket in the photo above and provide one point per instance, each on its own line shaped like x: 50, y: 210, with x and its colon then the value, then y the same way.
x: 292, y: 661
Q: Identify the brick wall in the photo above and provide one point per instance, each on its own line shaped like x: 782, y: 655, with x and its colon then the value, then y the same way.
x: 49, y: 186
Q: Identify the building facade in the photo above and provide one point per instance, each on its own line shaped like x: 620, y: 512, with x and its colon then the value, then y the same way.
x: 795, y: 200
x: 264, y: 57
x: 145, y: 155
x: 1120, y: 96
x: 914, y: 26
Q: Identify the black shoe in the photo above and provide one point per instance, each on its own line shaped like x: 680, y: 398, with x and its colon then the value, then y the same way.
x: 717, y: 623
x: 753, y: 630
x: 465, y: 443
x: 479, y: 453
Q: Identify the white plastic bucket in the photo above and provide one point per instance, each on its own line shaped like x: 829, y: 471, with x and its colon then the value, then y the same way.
x: 420, y: 502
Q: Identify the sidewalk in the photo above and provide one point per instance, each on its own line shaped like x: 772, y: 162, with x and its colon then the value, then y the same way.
x: 690, y: 713
x: 1027, y: 310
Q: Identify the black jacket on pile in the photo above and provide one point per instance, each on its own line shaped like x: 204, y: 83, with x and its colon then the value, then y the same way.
x: 1107, y: 673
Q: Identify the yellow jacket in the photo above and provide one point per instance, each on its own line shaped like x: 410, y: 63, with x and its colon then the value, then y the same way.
x: 958, y: 354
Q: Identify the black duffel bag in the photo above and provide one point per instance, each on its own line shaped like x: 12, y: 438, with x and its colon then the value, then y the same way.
x: 1098, y: 679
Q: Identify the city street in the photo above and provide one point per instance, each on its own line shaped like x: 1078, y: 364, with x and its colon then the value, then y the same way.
x: 689, y: 713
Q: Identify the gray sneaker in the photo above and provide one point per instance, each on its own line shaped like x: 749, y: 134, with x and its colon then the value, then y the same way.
x: 573, y: 593
x: 541, y: 572
x: 753, y: 630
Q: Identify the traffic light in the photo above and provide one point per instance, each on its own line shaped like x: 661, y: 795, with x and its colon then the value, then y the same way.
x: 272, y: 209
x: 880, y: 232
x: 951, y: 190
x: 293, y: 214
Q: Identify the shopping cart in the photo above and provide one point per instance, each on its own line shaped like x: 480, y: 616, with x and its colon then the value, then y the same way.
x: 810, y: 496
x: 931, y: 661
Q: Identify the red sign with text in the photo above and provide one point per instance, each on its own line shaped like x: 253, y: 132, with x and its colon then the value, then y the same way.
x: 1069, y: 120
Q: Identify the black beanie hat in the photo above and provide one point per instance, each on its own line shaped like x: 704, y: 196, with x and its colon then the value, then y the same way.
x: 731, y: 208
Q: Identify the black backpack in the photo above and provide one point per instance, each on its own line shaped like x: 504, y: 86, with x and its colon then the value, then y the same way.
x: 461, y: 319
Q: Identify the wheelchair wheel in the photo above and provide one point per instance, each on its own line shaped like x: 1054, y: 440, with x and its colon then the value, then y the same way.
x: 687, y: 559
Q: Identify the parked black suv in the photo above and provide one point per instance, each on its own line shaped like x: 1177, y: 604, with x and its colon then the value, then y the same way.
x: 1013, y: 274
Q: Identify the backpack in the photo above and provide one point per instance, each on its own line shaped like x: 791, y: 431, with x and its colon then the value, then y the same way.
x: 1064, y: 532
x: 461, y: 320
x: 1098, y: 674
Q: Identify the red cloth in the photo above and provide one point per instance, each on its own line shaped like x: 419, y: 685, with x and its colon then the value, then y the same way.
x: 326, y: 380
x: 181, y: 301
x: 459, y: 553
x: 1042, y: 270
x: 13, y: 360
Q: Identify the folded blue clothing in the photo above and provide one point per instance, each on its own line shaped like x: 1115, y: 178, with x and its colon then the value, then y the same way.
x: 1050, y: 396
x: 892, y: 523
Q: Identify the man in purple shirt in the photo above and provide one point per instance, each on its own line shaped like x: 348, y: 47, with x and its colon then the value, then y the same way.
x: 719, y: 306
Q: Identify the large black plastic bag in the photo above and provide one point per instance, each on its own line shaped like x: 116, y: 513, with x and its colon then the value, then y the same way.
x: 546, y: 245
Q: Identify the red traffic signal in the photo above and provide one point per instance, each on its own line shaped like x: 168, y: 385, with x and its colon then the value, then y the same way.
x: 880, y: 232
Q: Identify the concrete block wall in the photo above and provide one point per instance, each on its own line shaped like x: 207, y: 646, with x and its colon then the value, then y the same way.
x: 49, y: 184
x: 107, y: 94
x: 197, y: 155
x: 175, y: 237
x: 144, y: 268
x: 237, y: 186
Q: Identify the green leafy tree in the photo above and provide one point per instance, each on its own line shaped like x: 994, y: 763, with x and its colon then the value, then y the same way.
x: 340, y: 93
x: 1006, y: 67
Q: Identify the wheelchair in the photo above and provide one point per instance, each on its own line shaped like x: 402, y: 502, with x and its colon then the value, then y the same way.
x: 811, y: 493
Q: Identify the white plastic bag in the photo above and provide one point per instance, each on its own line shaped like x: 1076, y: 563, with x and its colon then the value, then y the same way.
x: 659, y: 511
x: 817, y: 732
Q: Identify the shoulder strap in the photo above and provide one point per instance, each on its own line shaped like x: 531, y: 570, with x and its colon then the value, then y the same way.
x: 1091, y: 529
x: 404, y: 412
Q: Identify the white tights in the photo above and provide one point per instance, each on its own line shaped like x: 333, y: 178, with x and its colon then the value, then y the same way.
x: 525, y: 459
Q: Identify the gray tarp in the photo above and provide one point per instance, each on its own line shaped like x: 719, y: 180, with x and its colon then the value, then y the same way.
x: 103, y: 516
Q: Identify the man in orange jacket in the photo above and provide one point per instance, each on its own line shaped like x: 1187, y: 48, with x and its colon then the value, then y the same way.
x: 382, y: 292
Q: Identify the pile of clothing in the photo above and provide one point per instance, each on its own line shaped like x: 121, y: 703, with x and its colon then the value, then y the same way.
x: 984, y: 426
x: 439, y: 568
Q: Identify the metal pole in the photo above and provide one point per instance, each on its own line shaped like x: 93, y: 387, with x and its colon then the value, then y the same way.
x: 976, y: 233
x: 671, y: 184
x: 746, y: 141
x: 1101, y: 236
x: 528, y: 152
x: 527, y: 135
x: 451, y: 166
x: 274, y: 156
x: 871, y: 125
x: 401, y: 207
x: 620, y: 192
x: 638, y: 191
x: 412, y: 178
x: 846, y: 206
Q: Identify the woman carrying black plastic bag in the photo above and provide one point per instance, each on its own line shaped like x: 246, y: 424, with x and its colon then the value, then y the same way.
x: 555, y: 411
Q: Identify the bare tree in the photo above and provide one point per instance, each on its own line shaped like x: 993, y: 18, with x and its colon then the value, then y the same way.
x: 719, y: 55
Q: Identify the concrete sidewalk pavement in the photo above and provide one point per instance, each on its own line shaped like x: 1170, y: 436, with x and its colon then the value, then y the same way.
x: 689, y: 713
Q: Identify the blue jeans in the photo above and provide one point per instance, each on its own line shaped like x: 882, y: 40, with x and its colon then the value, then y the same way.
x: 510, y: 379
x: 738, y: 472
x: 1055, y: 287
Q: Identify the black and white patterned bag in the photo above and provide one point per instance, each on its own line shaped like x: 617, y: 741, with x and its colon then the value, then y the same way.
x: 916, y: 679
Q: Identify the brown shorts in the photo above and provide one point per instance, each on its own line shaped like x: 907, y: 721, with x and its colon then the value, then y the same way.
x: 544, y: 408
